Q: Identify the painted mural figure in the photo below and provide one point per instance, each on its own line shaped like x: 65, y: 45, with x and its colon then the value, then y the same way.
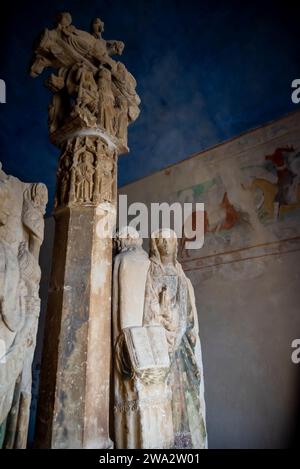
x: 286, y: 178
x: 284, y: 194
x: 170, y: 302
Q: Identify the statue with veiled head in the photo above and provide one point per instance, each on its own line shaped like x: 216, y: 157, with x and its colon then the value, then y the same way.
x: 158, y: 385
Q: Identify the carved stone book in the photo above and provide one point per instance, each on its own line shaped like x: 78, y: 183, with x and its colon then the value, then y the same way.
x: 147, y: 347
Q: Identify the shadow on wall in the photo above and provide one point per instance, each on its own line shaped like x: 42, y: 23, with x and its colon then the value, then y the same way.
x: 45, y: 263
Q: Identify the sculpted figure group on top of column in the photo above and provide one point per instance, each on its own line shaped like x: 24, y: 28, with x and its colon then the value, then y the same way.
x: 94, y: 100
x: 90, y: 89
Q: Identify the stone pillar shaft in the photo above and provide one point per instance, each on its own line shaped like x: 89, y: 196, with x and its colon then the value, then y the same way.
x: 74, y: 396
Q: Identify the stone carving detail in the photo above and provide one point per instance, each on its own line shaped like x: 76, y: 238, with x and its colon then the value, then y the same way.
x: 86, y: 173
x: 90, y: 89
x: 22, y: 208
x: 158, y: 383
x: 94, y: 100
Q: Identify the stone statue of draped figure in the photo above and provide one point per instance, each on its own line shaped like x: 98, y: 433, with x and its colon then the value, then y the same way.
x: 22, y: 208
x: 129, y: 277
x: 158, y: 372
x: 170, y: 301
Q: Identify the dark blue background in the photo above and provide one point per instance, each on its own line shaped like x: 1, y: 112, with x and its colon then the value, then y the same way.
x: 206, y: 71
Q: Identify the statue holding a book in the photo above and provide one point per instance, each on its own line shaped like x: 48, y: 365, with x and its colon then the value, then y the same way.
x: 161, y: 355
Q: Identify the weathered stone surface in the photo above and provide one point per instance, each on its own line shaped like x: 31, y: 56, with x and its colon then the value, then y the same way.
x: 94, y: 101
x: 22, y: 208
x: 73, y: 394
x: 90, y: 90
x: 158, y: 371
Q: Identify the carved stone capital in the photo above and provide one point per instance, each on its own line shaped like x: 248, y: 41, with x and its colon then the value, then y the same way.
x: 86, y: 173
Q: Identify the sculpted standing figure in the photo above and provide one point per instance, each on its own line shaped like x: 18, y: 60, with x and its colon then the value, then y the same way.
x: 121, y: 118
x: 22, y: 209
x: 142, y: 411
x: 106, y: 179
x: 170, y: 302
x: 129, y: 277
x: 106, y: 101
x: 84, y: 177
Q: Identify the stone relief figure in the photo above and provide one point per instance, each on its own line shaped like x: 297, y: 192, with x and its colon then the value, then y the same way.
x: 87, y: 95
x: 59, y: 105
x: 55, y: 112
x: 97, y: 28
x: 81, y: 41
x: 113, y: 47
x: 106, y: 101
x: 169, y: 301
x: 63, y: 177
x: 84, y: 172
x: 121, y: 119
x: 104, y: 180
x: 124, y: 84
x: 22, y: 209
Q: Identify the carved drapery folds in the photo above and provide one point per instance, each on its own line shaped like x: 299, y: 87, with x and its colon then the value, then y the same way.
x: 158, y: 371
x: 22, y: 208
x: 90, y: 89
x: 86, y: 173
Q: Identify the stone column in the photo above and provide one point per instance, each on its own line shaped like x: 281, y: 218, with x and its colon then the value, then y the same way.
x: 94, y: 100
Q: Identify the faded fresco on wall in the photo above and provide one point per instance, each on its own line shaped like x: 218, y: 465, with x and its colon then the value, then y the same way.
x: 250, y: 187
x: 257, y: 200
